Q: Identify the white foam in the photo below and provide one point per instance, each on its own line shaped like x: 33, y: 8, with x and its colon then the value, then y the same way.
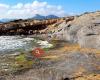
x: 13, y: 42
x: 45, y: 44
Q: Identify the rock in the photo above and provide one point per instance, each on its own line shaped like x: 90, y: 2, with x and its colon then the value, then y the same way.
x: 24, y: 27
x: 2, y: 78
x: 84, y: 29
x: 60, y: 32
x: 72, y: 66
x: 85, y: 20
x: 89, y: 35
x: 15, y: 54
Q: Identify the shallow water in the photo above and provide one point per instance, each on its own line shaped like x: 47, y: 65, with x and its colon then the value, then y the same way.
x: 15, y: 43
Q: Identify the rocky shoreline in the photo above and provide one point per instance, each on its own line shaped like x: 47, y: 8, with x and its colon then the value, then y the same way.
x: 75, y: 55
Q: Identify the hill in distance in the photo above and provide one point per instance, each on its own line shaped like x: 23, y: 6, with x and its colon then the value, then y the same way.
x: 40, y: 17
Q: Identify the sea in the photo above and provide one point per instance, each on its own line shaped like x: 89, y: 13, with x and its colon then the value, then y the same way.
x: 12, y: 44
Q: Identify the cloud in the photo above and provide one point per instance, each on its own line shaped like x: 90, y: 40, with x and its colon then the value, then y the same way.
x: 4, y: 6
x: 27, y: 10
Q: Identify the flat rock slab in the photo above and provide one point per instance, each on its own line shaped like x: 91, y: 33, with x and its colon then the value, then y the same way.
x: 71, y: 66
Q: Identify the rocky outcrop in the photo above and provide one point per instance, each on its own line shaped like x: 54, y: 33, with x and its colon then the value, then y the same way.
x: 89, y: 34
x: 84, y: 29
x: 58, y: 30
x: 26, y: 27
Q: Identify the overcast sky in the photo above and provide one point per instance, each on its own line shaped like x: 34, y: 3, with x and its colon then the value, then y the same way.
x: 28, y: 8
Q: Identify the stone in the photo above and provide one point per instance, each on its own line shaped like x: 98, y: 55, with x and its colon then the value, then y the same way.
x: 89, y: 37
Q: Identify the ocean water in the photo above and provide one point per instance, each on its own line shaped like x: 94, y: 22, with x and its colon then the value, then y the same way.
x: 11, y: 44
x: 16, y: 43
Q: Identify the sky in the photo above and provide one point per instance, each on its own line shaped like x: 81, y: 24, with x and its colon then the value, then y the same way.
x: 28, y: 8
